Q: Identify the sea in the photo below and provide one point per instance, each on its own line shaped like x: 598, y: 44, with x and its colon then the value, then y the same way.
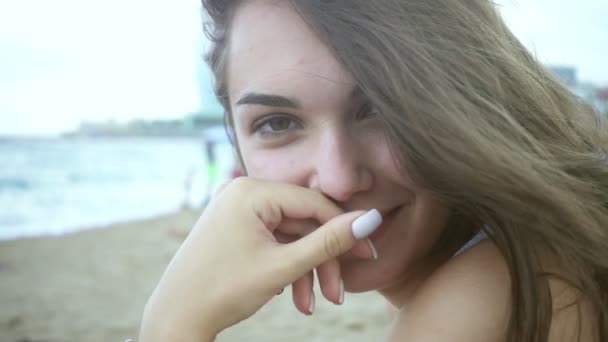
x: 52, y: 186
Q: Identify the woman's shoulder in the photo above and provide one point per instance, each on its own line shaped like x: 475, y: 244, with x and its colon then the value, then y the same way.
x: 466, y: 299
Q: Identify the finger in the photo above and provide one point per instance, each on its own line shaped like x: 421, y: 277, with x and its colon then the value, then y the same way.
x: 303, y: 295
x: 275, y: 202
x: 329, y: 241
x: 290, y: 230
x: 365, y: 249
x: 285, y: 238
x: 330, y: 281
x: 220, y: 188
x: 300, y: 227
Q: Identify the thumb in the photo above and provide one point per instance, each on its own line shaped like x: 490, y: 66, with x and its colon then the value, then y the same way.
x: 332, y: 239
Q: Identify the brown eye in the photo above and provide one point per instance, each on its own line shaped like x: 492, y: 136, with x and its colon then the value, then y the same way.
x: 276, y: 125
x: 279, y: 124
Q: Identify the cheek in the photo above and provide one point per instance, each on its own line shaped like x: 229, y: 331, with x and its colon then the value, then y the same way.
x: 274, y: 165
x: 384, y: 162
x: 429, y: 221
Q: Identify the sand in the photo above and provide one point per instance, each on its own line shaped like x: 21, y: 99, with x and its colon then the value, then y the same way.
x: 92, y: 286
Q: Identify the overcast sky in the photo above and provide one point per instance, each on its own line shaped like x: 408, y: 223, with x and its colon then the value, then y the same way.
x: 65, y: 61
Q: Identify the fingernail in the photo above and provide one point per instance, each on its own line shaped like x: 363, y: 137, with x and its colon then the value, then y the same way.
x: 311, y: 306
x: 365, y: 224
x: 373, y: 249
x: 341, y: 291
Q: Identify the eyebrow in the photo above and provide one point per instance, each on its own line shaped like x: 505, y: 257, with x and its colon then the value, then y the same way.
x: 269, y: 100
x: 272, y: 100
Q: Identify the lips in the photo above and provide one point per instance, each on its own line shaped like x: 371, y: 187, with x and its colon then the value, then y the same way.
x: 387, y: 218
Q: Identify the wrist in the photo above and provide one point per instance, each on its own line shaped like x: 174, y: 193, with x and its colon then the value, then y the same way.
x: 162, y: 326
x: 173, y: 333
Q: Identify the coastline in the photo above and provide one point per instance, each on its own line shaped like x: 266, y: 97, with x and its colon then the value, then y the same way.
x: 91, y: 285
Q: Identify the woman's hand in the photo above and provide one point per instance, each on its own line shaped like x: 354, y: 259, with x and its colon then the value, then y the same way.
x: 231, y: 263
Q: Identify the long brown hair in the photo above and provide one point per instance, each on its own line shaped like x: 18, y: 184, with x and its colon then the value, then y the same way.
x: 481, y: 123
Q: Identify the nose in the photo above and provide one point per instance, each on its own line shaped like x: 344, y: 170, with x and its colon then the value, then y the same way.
x: 340, y: 171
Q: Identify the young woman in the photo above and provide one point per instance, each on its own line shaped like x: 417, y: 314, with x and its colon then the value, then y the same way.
x: 489, y: 176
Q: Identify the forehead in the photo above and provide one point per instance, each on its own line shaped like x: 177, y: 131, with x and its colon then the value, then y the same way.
x: 272, y: 49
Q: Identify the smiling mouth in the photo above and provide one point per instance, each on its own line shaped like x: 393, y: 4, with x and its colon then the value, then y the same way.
x: 387, y: 218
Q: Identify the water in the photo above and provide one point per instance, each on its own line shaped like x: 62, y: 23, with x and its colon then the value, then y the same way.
x: 54, y: 186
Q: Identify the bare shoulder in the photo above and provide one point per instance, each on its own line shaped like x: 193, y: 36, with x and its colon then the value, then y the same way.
x: 466, y: 299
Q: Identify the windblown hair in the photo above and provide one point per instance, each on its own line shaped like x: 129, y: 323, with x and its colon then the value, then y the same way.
x: 482, y: 124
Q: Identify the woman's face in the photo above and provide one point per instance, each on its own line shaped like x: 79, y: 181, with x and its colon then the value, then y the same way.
x: 299, y: 118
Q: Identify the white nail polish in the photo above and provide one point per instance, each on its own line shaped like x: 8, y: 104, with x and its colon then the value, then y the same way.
x: 365, y: 224
x: 311, y: 306
x: 341, y: 291
x: 373, y: 249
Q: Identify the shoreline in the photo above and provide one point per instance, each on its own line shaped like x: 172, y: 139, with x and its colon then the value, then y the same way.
x: 92, y: 285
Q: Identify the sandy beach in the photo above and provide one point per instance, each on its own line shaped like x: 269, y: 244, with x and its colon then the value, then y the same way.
x: 92, y: 286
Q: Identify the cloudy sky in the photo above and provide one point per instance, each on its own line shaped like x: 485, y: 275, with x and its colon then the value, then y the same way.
x: 65, y: 61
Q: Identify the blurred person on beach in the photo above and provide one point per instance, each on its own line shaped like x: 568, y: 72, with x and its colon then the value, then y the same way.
x: 414, y: 148
x: 212, y: 138
x: 188, y: 183
x: 211, y: 167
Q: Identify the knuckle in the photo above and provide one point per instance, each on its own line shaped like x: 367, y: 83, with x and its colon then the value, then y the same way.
x: 221, y: 188
x: 242, y: 187
x: 332, y: 245
x: 269, y: 212
x: 242, y: 183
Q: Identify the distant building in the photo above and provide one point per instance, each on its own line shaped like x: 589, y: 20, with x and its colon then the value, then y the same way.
x: 190, y: 126
x: 594, y: 95
x: 601, y: 96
